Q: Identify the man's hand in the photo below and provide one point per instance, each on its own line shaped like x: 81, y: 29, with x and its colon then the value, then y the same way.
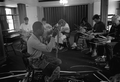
x: 55, y: 32
x: 50, y: 32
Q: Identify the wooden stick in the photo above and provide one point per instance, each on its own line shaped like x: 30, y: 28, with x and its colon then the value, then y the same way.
x: 57, y: 45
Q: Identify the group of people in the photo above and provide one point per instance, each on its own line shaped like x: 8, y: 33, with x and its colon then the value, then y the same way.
x: 99, y: 40
x: 43, y: 38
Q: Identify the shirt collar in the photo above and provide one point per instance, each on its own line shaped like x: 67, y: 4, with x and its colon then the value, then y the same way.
x: 36, y: 37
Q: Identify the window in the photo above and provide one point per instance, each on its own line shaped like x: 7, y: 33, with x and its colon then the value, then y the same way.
x: 9, y: 18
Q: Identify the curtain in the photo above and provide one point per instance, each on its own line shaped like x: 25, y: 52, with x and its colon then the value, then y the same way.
x: 15, y: 18
x: 2, y: 51
x: 22, y: 12
x: 71, y: 14
x: 4, y: 24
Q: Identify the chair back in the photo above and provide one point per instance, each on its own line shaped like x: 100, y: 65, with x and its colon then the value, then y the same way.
x: 25, y: 58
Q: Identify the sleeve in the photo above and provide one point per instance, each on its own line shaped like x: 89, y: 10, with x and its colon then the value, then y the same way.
x: 22, y: 31
x: 102, y: 27
x: 89, y: 27
x: 42, y: 47
x: 21, y: 26
x: 50, y: 27
x: 66, y: 28
x: 112, y: 31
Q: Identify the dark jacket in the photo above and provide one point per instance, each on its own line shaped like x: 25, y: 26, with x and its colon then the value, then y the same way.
x: 99, y: 27
x: 88, y: 26
x: 115, y: 32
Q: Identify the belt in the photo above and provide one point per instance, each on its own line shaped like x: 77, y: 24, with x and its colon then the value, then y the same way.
x: 41, y: 57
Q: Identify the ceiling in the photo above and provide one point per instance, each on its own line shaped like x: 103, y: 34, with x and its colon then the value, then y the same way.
x: 47, y: 0
x: 2, y: 0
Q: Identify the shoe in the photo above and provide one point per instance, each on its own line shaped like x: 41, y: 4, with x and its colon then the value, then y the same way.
x: 55, y: 75
x: 107, y: 66
x: 73, y: 48
x: 61, y: 48
x: 100, y: 59
x: 93, y: 55
x: 74, y: 45
x: 64, y: 49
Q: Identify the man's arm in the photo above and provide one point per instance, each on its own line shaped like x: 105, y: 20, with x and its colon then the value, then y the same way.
x: 46, y: 48
x: 43, y: 47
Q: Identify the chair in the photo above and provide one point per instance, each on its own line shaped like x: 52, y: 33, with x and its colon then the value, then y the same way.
x: 43, y: 73
x: 9, y: 40
x: 22, y: 44
x: 29, y: 68
x: 6, y: 45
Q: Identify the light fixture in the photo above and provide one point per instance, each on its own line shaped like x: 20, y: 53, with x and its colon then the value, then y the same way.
x: 63, y: 2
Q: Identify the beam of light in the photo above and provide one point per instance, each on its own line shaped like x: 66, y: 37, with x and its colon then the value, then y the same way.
x: 64, y: 2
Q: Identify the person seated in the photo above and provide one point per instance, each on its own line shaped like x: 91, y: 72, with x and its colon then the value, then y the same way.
x: 25, y: 29
x: 36, y: 48
x: 85, y: 24
x: 83, y: 29
x: 113, y: 39
x: 64, y: 31
x: 114, y: 35
x: 47, y: 30
x: 79, y: 33
x: 98, y: 29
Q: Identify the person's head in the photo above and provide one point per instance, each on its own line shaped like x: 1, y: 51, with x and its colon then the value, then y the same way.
x: 26, y: 20
x: 96, y: 18
x: 38, y: 28
x: 84, y: 20
x: 61, y: 22
x: 116, y: 20
x: 43, y: 21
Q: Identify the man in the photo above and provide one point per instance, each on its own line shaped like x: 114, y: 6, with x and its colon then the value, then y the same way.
x: 115, y: 34
x: 36, y: 47
x: 99, y: 26
x: 98, y: 29
x: 25, y: 29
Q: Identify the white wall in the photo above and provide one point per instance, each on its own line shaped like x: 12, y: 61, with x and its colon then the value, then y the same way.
x: 40, y: 13
x: 70, y: 2
x: 96, y: 7
x: 32, y: 14
x: 112, y: 7
x: 30, y: 2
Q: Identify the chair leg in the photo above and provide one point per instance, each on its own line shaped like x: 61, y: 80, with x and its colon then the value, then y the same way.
x: 13, y: 50
x: 6, y: 51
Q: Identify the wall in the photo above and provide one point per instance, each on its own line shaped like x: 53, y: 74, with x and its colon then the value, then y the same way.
x: 32, y: 14
x: 30, y: 2
x: 40, y: 13
x: 70, y: 2
x: 112, y: 7
x: 96, y: 7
